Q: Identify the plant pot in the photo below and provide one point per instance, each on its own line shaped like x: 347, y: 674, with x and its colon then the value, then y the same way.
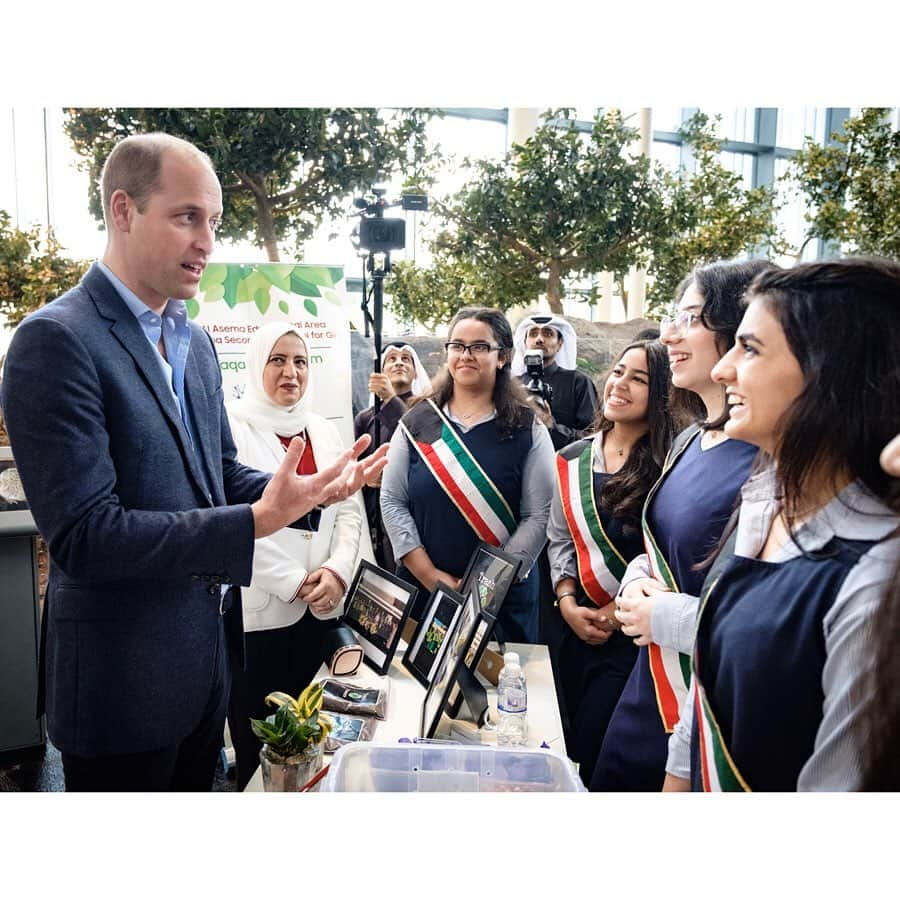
x: 289, y: 774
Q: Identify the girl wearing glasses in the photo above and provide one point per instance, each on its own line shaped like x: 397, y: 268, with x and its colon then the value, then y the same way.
x: 683, y: 519
x: 784, y: 633
x: 471, y: 463
x: 595, y: 529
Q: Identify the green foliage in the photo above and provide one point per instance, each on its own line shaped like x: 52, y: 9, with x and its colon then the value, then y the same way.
x: 706, y: 215
x: 283, y: 171
x: 852, y: 185
x: 432, y: 295
x: 296, y: 723
x: 234, y: 283
x: 32, y: 270
x: 562, y: 204
x: 566, y: 205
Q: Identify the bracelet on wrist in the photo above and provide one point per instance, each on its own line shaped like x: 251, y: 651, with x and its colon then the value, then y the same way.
x: 564, y: 594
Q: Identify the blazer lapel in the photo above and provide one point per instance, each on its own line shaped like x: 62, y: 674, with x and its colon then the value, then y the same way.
x: 200, y: 414
x: 128, y: 332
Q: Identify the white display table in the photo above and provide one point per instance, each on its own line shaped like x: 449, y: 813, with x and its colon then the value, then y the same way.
x: 407, y: 696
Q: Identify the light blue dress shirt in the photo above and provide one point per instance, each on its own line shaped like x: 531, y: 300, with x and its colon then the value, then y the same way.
x: 176, y: 335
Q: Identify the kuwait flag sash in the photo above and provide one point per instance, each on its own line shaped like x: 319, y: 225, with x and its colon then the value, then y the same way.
x: 717, y: 769
x: 600, y: 565
x: 671, y: 670
x: 463, y: 480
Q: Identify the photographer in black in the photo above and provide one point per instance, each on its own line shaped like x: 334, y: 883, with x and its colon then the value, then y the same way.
x: 572, y: 396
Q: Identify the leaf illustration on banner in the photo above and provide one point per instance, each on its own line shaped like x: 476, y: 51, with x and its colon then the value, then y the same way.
x: 214, y: 293
x: 192, y: 307
x: 332, y: 296
x: 323, y: 276
x: 279, y: 275
x: 300, y: 285
x: 232, y: 284
x: 214, y: 274
x: 261, y: 299
x: 311, y: 307
x: 282, y: 305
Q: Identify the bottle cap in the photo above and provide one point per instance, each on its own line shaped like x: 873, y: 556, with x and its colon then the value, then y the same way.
x: 511, y: 658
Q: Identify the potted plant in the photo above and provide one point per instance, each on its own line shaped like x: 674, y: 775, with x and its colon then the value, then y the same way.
x: 293, y: 738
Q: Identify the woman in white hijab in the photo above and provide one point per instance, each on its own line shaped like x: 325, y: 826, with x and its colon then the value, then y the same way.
x: 299, y: 577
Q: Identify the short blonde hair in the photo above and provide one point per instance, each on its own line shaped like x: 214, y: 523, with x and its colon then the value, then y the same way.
x: 135, y: 164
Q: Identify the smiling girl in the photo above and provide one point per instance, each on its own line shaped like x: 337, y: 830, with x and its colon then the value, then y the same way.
x: 783, y: 634
x: 594, y: 530
x: 684, y: 516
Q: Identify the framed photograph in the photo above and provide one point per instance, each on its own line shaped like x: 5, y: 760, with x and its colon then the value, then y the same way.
x: 438, y: 628
x: 490, y: 574
x: 377, y: 607
x: 438, y: 695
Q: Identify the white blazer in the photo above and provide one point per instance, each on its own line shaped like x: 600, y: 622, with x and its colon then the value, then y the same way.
x: 282, y: 560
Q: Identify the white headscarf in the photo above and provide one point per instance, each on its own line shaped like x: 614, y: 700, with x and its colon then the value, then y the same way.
x: 255, y: 407
x: 421, y: 383
x: 565, y: 358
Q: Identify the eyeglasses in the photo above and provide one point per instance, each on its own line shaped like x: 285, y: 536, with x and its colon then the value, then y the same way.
x: 476, y: 348
x: 681, y: 322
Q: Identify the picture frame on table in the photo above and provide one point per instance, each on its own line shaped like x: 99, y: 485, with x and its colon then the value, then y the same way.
x: 439, y: 626
x: 489, y: 576
x: 438, y: 694
x: 377, y: 607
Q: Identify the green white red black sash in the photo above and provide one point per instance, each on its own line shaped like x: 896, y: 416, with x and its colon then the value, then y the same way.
x: 458, y: 473
x: 717, y: 769
x: 670, y: 669
x: 600, y: 565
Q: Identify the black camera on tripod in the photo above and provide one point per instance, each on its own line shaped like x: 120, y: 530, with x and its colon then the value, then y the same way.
x: 378, y: 234
x: 534, y: 368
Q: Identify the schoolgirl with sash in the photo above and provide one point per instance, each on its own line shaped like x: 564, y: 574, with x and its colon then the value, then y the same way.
x: 779, y: 667
x: 471, y: 463
x: 683, y: 519
x: 594, y: 530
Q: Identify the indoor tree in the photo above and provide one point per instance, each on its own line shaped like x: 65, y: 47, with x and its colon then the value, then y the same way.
x: 707, y: 214
x: 33, y: 270
x: 283, y: 171
x: 561, y: 205
x: 852, y: 185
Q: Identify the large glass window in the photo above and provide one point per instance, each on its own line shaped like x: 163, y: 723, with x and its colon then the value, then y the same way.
x: 735, y: 124
x: 667, y: 154
x: 741, y: 164
x: 795, y: 125
x: 666, y: 118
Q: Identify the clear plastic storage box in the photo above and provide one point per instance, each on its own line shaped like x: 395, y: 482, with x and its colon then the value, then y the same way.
x: 448, y: 767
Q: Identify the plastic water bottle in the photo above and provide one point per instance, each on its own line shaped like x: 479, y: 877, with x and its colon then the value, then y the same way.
x: 512, y: 703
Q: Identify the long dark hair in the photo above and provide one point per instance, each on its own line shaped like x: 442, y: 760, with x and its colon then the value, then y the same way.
x: 722, y: 285
x: 509, y: 397
x: 624, y: 492
x: 841, y: 321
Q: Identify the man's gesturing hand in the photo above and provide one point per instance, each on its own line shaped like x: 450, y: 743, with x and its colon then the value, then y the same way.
x: 289, y: 496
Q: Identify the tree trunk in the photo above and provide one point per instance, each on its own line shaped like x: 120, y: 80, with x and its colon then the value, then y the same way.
x: 554, y: 287
x: 266, y: 228
x: 265, y: 223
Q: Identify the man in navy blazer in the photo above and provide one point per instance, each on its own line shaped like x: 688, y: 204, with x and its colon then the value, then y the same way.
x: 113, y: 403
